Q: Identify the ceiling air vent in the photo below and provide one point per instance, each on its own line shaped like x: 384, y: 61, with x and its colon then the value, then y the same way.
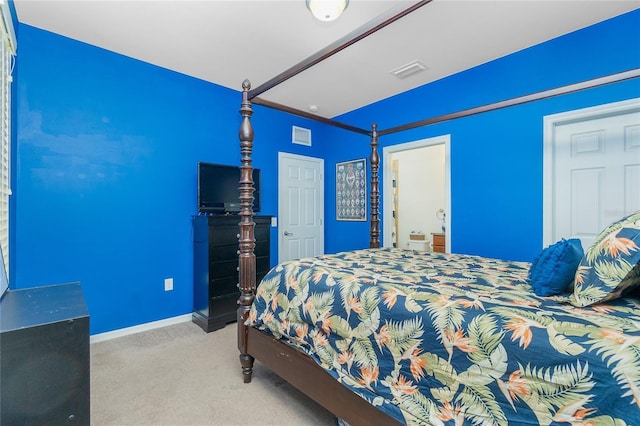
x: 411, y: 68
x: 300, y: 135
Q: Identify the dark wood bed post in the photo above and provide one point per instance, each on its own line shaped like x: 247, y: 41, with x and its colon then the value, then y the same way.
x: 246, y: 238
x: 374, y: 229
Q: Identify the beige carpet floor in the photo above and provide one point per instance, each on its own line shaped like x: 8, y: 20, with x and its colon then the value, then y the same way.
x: 181, y: 376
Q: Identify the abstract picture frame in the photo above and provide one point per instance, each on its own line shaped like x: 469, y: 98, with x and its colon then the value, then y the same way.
x: 351, y: 190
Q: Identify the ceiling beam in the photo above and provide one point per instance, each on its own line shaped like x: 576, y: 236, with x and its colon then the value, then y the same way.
x: 353, y: 37
x: 290, y: 110
x: 588, y: 84
x: 583, y: 85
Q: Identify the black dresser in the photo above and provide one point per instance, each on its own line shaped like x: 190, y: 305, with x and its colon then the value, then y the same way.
x: 44, y: 356
x: 215, y: 266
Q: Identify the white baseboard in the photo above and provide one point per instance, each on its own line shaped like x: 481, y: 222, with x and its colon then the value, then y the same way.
x: 101, y: 337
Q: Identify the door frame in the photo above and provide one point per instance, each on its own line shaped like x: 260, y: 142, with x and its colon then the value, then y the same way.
x: 550, y: 124
x: 387, y: 189
x: 282, y: 207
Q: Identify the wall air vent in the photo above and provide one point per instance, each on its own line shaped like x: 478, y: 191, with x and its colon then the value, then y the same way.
x: 300, y: 136
x: 409, y: 69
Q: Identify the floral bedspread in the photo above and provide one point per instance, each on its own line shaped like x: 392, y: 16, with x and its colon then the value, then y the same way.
x: 437, y: 339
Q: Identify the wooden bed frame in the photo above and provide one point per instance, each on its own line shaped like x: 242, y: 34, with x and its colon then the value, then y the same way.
x: 289, y: 363
x: 293, y: 366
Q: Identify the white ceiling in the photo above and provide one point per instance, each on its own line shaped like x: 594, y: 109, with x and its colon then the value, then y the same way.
x: 225, y: 42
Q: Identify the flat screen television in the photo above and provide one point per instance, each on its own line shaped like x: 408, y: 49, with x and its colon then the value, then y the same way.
x: 218, y: 188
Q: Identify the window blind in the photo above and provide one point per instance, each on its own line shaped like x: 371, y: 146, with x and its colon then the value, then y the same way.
x: 7, y: 53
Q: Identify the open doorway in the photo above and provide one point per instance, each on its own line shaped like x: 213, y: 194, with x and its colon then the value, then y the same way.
x: 417, y: 194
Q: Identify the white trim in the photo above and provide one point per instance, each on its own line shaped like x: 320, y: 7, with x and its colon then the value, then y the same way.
x: 550, y: 124
x: 4, y: 279
x: 101, y: 337
x: 388, y: 189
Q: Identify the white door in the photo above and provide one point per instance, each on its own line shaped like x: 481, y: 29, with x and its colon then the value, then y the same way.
x: 300, y: 206
x: 596, y: 170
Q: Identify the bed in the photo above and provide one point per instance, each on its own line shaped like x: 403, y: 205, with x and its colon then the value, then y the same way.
x: 434, y: 338
x: 382, y: 336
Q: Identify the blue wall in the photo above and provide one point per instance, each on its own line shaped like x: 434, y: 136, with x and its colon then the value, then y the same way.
x: 496, y: 157
x: 105, y: 178
x: 106, y: 151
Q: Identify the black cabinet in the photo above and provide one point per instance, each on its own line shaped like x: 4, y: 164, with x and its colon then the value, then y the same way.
x: 215, y: 274
x: 44, y: 356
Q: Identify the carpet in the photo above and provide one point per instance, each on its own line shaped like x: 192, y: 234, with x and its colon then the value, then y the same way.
x: 181, y: 376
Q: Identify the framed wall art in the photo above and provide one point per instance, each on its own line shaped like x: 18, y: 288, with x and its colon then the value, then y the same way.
x: 351, y: 190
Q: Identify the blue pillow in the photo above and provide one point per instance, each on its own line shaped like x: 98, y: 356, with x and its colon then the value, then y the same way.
x: 555, y: 268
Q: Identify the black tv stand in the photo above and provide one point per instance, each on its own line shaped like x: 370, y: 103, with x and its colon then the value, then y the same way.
x: 215, y: 266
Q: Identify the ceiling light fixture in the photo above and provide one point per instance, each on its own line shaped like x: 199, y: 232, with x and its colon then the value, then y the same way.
x: 327, y: 10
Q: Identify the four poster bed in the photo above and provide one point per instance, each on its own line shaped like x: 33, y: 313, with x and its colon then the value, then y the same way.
x: 384, y: 336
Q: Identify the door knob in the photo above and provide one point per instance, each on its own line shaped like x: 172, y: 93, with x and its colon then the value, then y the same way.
x: 288, y: 234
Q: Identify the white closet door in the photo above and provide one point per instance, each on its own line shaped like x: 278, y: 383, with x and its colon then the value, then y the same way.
x: 597, y: 174
x: 300, y: 206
